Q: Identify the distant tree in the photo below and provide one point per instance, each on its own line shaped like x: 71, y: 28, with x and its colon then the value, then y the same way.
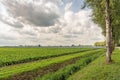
x: 39, y: 45
x: 20, y: 45
x: 99, y: 44
x: 72, y: 45
x: 79, y: 45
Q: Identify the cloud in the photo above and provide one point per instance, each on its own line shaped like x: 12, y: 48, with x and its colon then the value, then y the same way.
x: 6, y: 37
x: 26, y: 31
x: 10, y: 21
x: 43, y: 22
x: 37, y: 13
x: 68, y: 6
x: 69, y: 36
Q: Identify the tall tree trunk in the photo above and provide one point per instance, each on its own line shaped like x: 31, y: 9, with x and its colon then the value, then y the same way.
x: 108, y: 33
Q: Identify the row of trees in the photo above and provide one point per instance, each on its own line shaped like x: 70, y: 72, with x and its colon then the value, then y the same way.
x: 106, y: 14
x: 99, y: 44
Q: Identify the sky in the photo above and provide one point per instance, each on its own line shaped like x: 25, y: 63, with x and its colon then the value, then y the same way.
x: 47, y: 22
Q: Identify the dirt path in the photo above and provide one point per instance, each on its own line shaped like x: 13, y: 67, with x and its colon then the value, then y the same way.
x: 118, y: 48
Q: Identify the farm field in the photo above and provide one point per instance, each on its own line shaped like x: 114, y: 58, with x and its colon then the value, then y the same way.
x: 59, y: 40
x: 71, y: 64
x: 29, y: 69
x: 9, y: 56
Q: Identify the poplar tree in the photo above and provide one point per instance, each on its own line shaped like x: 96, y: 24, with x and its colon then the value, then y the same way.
x: 106, y: 14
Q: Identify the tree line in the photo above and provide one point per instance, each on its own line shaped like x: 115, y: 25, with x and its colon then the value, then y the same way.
x: 106, y: 14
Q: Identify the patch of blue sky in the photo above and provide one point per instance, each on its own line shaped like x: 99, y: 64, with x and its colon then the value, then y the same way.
x: 3, y: 10
x: 76, y: 5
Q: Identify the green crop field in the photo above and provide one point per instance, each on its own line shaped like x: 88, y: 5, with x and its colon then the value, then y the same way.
x: 15, y: 69
x: 58, y: 64
x: 10, y: 56
x: 46, y: 58
x: 59, y: 40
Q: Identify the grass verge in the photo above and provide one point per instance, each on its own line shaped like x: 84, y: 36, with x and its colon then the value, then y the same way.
x: 99, y: 70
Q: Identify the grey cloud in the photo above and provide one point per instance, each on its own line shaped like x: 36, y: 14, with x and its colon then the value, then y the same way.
x: 30, y: 13
x: 7, y: 43
x: 70, y: 36
x: 28, y: 33
x: 95, y: 39
x: 5, y: 37
x: 54, y: 1
x: 18, y: 25
x: 55, y: 29
x: 24, y: 32
x: 80, y: 32
x: 15, y: 24
x: 70, y: 28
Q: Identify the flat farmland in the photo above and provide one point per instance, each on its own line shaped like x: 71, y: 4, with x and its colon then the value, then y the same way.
x: 37, y: 63
x: 9, y: 56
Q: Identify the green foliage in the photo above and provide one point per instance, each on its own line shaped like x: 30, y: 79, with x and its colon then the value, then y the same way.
x: 99, y: 70
x: 98, y: 7
x: 100, y: 43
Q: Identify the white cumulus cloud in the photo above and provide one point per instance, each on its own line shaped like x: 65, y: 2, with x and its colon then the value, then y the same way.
x: 43, y: 22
